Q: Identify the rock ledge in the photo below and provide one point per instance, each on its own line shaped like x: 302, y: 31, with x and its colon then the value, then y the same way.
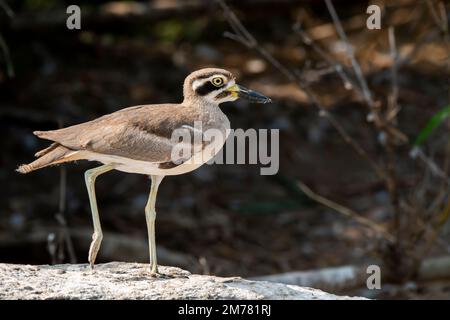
x: 120, y: 280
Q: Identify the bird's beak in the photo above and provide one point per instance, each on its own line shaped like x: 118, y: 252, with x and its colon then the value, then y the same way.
x: 250, y: 95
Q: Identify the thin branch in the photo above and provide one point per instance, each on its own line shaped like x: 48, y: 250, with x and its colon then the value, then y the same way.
x: 393, y: 107
x: 237, y: 26
x: 417, y: 152
x: 436, y: 226
x: 338, y: 67
x: 381, y: 124
x: 243, y: 36
x: 345, y: 211
x: 64, y: 234
x: 3, y: 46
x: 8, y: 60
x: 447, y: 41
x: 348, y: 139
x: 6, y: 8
x: 437, y: 201
x: 351, y: 54
x: 348, y: 82
x: 60, y: 217
x: 392, y: 184
x: 441, y: 21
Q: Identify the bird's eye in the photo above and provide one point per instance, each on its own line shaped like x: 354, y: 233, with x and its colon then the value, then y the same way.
x: 217, y: 81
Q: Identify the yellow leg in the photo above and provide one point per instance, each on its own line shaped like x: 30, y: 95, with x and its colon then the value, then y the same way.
x: 89, y: 177
x: 150, y: 216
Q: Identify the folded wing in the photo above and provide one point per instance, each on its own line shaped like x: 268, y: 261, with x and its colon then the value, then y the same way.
x: 139, y: 133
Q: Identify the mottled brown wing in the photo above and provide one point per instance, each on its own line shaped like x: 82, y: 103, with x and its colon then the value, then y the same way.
x: 140, y: 133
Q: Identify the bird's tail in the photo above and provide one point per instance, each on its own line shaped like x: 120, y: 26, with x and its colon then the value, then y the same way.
x: 54, y: 154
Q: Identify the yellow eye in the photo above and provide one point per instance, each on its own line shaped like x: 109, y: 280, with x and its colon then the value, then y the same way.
x: 217, y: 81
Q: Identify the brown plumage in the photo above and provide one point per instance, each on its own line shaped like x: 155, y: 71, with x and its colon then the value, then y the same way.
x: 57, y: 154
x: 139, y: 140
x: 138, y: 133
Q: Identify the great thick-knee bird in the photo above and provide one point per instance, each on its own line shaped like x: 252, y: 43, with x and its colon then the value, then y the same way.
x: 140, y: 140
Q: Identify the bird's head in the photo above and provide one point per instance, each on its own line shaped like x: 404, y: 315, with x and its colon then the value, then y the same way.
x: 216, y: 86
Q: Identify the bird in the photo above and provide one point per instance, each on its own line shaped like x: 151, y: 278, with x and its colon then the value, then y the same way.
x: 138, y: 139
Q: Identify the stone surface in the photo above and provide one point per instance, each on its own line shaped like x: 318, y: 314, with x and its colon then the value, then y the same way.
x: 119, y: 280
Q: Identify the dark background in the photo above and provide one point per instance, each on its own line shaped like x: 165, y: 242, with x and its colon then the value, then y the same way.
x: 223, y: 219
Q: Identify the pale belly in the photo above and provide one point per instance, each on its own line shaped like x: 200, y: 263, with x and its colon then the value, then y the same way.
x: 151, y: 168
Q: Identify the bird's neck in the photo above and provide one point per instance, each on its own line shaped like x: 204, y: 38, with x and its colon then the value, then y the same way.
x: 209, y: 113
x: 200, y: 103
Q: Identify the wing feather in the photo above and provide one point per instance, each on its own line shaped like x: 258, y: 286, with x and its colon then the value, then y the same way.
x: 140, y: 133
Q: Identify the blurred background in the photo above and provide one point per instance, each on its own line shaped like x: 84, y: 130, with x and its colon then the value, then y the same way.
x: 364, y: 138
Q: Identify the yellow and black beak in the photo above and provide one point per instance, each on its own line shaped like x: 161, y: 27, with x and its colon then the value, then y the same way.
x: 250, y: 95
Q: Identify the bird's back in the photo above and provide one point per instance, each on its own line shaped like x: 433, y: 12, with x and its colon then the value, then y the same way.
x: 141, y: 133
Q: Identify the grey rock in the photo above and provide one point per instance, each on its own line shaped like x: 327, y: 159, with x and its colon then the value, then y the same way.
x: 120, y: 280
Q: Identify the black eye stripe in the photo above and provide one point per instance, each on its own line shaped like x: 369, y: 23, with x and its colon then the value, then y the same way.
x: 206, y: 88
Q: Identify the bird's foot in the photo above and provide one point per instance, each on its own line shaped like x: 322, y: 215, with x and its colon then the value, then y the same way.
x: 154, y: 273
x: 158, y: 275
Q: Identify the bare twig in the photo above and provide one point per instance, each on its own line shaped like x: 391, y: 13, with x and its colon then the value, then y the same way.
x: 3, y: 46
x: 6, y: 54
x: 347, y: 80
x: 440, y: 18
x: 435, y: 224
x: 6, y: 8
x: 60, y: 217
x: 243, y: 36
x: 339, y: 68
x: 382, y: 124
x: 349, y: 140
x: 345, y: 211
x: 390, y: 152
x: 351, y: 54
x: 418, y: 44
x: 363, y: 89
x: 417, y: 152
x: 64, y: 233
x: 441, y: 21
x: 393, y: 107
x: 445, y: 27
